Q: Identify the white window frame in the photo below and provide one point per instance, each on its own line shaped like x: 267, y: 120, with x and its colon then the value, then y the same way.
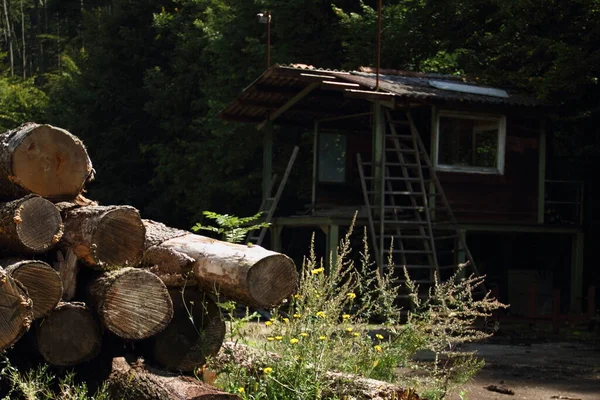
x: 499, y: 119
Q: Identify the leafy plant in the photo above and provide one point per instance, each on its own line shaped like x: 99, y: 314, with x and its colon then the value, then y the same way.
x: 229, y: 227
x: 325, y: 328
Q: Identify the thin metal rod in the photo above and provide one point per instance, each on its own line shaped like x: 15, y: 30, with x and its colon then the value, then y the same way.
x: 378, y: 43
x: 268, y: 13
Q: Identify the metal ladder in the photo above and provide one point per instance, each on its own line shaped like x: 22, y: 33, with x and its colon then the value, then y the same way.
x: 413, y: 223
x: 269, y: 203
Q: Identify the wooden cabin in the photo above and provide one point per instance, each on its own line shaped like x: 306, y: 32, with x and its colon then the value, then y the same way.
x: 450, y: 170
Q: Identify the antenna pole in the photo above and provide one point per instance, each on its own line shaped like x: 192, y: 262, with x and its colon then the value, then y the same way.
x: 378, y: 44
x: 268, y: 13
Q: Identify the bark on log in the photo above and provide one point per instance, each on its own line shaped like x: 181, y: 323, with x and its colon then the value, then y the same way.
x: 29, y: 225
x: 15, y: 310
x: 250, y: 275
x: 144, y: 383
x: 67, y: 267
x: 185, y: 344
x: 132, y: 303
x: 340, y: 385
x: 42, y: 283
x: 44, y: 160
x: 104, y: 237
x: 70, y: 335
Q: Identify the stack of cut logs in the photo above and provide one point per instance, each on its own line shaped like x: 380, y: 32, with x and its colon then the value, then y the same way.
x: 74, y: 272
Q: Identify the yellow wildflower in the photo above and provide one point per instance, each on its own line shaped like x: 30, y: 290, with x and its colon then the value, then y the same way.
x: 269, y: 323
x: 286, y: 320
x: 346, y: 316
x: 356, y: 334
x: 293, y: 341
x: 378, y: 336
x: 317, y: 271
x: 351, y: 295
x: 268, y: 370
x: 270, y: 339
x: 304, y: 334
x: 349, y: 329
x: 321, y: 314
x: 241, y: 390
x: 278, y: 337
x: 375, y: 363
x: 297, y: 296
x: 378, y: 348
x: 297, y: 315
x: 322, y: 337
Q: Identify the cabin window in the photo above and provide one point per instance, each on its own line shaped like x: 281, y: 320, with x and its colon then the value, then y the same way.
x: 471, y: 143
x: 332, y: 158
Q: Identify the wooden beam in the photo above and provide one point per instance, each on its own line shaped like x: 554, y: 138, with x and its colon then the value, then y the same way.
x: 267, y: 160
x: 368, y: 95
x: 576, y: 273
x: 315, y: 164
x: 338, y: 85
x: 290, y: 103
x: 542, y: 175
x: 349, y: 116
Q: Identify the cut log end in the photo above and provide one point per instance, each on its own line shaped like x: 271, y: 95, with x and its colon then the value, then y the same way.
x: 69, y: 335
x: 42, y: 282
x: 272, y: 279
x: 120, y: 237
x: 38, y: 223
x: 186, y: 343
x: 15, y: 311
x: 135, y: 304
x: 51, y: 162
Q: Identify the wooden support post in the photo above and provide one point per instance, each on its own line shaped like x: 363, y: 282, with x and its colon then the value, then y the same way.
x: 434, y: 156
x: 542, y: 175
x: 267, y: 159
x: 378, y: 172
x: 576, y: 273
x: 315, y: 171
x: 332, y: 233
x: 276, y: 238
x: 461, y: 254
x: 555, y: 309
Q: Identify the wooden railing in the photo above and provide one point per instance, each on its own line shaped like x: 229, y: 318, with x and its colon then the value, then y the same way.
x: 563, y: 202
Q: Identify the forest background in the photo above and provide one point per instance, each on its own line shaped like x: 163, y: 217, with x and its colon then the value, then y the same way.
x: 141, y: 81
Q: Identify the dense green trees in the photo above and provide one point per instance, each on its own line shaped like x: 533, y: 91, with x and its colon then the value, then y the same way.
x: 141, y: 81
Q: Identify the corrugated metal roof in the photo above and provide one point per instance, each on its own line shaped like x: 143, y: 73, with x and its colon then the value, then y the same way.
x: 280, y: 83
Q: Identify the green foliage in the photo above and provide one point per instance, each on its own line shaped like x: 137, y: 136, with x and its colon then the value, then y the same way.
x: 20, y: 101
x: 231, y: 228
x: 42, y: 384
x: 325, y: 329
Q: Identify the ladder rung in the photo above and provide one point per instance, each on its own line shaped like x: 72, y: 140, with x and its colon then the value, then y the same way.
x: 398, y: 136
x: 408, y: 236
x: 406, y: 151
x: 399, y: 122
x: 425, y: 252
x: 407, y: 165
x: 393, y: 222
x: 445, y: 237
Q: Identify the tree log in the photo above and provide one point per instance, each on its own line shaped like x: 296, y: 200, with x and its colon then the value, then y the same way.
x: 68, y: 268
x: 104, y: 237
x: 132, y: 303
x: 29, y: 225
x: 70, y: 335
x: 185, y: 344
x: 42, y: 283
x: 140, y: 382
x: 250, y: 275
x: 44, y: 160
x: 339, y: 385
x: 15, y: 310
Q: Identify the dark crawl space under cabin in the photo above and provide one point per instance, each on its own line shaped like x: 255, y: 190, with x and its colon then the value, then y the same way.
x: 449, y: 170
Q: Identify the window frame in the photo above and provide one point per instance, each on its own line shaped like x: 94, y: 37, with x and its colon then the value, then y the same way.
x: 319, y: 158
x: 501, y: 122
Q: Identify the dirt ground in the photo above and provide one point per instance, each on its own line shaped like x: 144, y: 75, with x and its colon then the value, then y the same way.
x: 557, y: 367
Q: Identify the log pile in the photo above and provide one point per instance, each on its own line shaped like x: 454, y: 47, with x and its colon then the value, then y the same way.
x: 74, y: 272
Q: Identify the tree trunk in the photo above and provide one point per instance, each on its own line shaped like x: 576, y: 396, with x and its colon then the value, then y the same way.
x: 69, y: 336
x: 250, y: 275
x: 104, y: 237
x: 29, y: 225
x: 15, y: 311
x: 144, y: 383
x: 42, y: 283
x: 132, y: 303
x: 67, y: 267
x: 44, y: 160
x: 195, y: 332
